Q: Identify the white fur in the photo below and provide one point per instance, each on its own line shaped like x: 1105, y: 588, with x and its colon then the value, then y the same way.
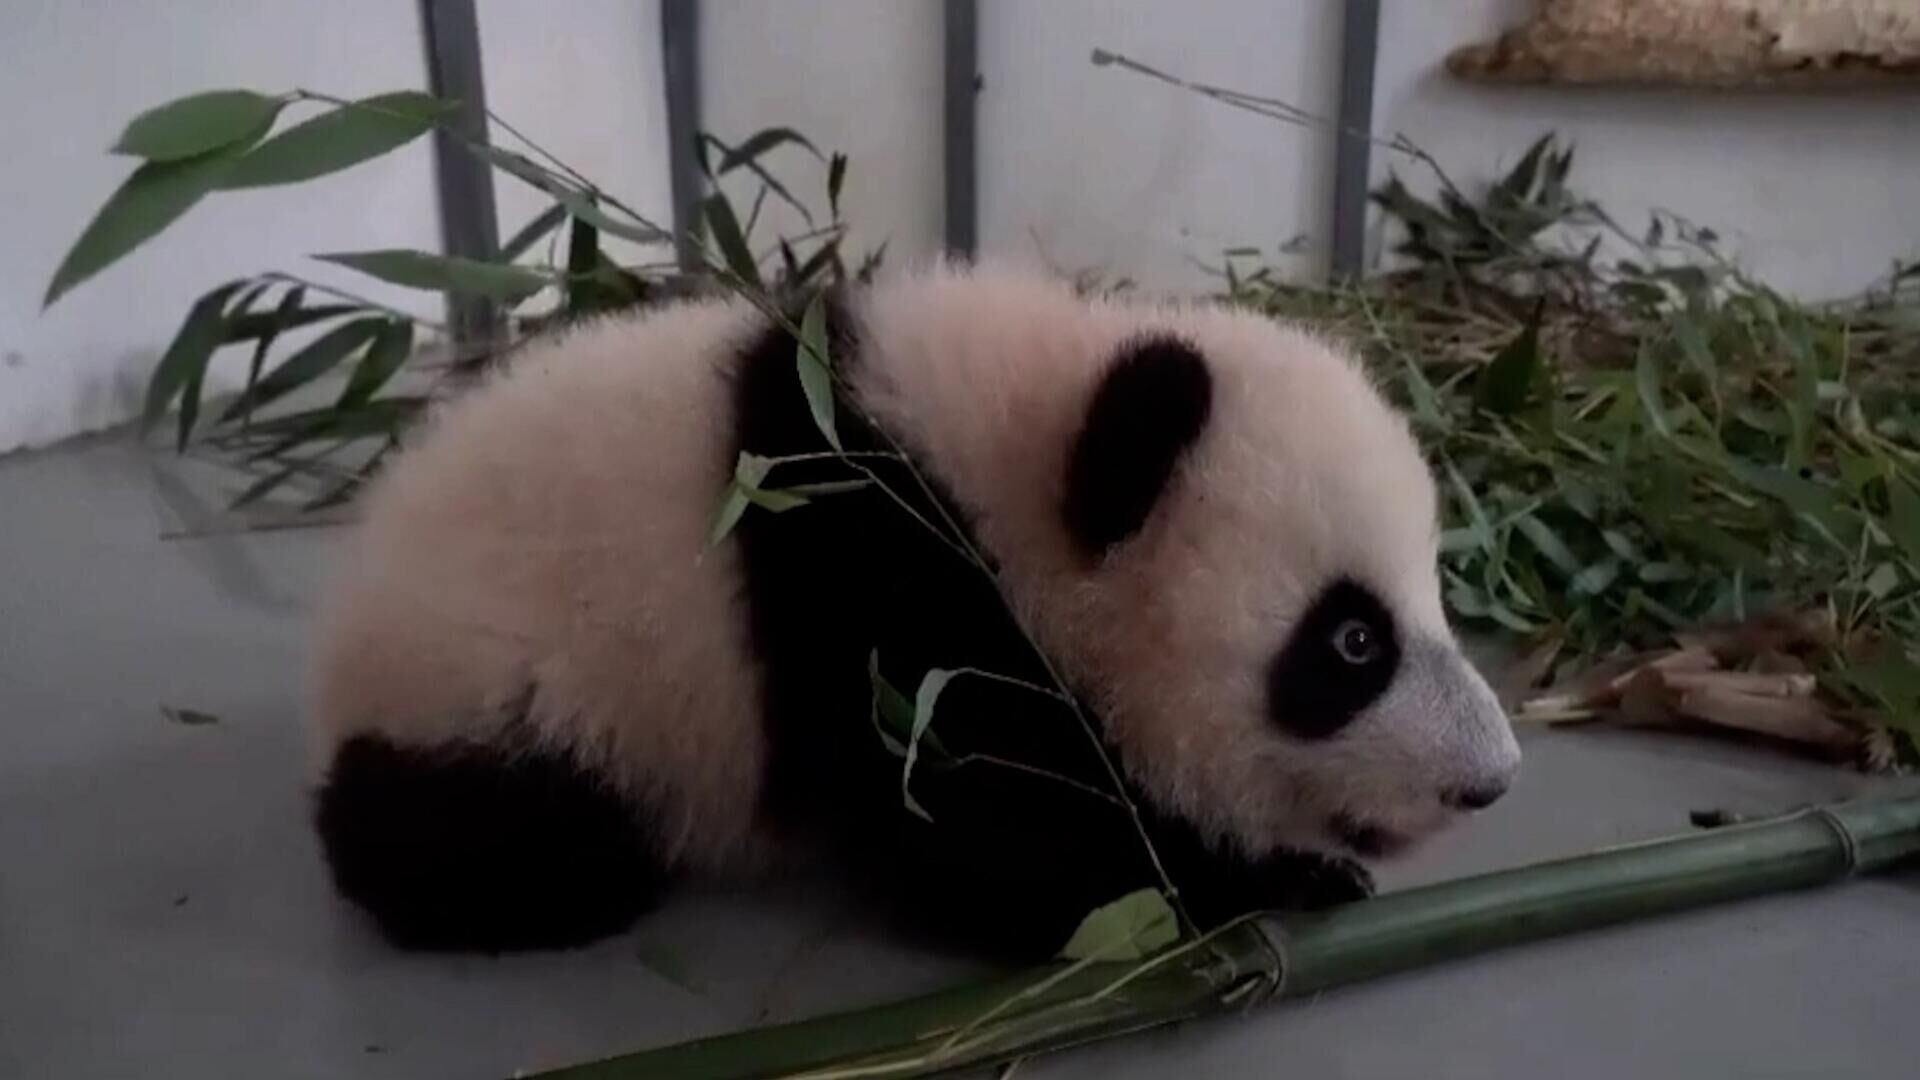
x: 1302, y: 473
x: 550, y: 529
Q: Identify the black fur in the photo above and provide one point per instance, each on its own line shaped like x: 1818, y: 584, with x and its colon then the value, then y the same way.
x: 1150, y: 407
x: 1011, y: 860
x: 471, y: 847
x: 1312, y: 690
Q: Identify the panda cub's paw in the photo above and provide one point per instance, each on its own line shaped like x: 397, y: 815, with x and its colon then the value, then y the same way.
x: 1281, y: 881
x: 1327, y: 881
x: 1312, y: 882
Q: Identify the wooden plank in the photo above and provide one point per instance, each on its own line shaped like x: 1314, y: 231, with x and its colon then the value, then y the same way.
x: 1704, y: 43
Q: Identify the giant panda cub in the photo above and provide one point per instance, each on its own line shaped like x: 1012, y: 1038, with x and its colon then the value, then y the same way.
x: 543, y: 695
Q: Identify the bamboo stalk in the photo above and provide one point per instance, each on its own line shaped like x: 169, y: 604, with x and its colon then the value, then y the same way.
x: 1272, y: 956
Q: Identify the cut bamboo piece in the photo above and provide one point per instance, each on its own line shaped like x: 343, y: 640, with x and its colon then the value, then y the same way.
x: 1282, y: 957
x: 1794, y: 719
x: 1748, y: 677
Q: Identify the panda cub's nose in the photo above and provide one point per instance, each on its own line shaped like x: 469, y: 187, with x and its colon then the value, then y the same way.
x: 1474, y: 798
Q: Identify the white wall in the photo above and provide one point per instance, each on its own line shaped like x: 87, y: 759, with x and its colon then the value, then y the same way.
x: 1109, y: 170
x: 1116, y: 172
x: 1817, y: 192
x: 72, y: 72
x: 860, y: 76
x: 1112, y: 171
x: 582, y: 79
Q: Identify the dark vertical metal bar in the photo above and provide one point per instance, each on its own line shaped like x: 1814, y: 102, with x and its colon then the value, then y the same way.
x: 1352, y: 154
x: 961, y: 126
x: 680, y: 60
x: 469, y: 224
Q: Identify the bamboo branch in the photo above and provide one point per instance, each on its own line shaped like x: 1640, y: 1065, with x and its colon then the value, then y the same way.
x: 1267, y: 957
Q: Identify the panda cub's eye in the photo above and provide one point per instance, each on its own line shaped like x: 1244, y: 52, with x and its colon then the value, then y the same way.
x: 1356, y: 642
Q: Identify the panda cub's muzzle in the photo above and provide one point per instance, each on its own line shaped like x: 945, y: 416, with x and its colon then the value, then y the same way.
x: 1438, y: 746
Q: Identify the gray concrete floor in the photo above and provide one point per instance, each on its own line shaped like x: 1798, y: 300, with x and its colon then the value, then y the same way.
x: 163, y: 911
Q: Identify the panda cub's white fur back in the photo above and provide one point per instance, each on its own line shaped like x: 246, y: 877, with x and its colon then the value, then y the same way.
x: 1189, y: 509
x: 550, y: 529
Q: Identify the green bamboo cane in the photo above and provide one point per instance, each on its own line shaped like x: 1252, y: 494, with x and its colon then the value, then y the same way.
x: 1265, y: 957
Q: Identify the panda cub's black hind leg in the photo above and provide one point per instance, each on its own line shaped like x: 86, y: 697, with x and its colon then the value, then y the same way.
x: 472, y: 847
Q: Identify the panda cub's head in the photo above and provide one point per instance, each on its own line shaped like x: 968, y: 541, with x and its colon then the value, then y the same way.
x: 1243, y: 573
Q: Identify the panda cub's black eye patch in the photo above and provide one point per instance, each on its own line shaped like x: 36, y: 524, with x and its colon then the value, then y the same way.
x: 1339, y: 659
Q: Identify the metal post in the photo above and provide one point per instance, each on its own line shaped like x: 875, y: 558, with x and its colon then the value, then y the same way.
x: 1352, y: 155
x: 469, y: 225
x: 961, y: 125
x: 680, y: 49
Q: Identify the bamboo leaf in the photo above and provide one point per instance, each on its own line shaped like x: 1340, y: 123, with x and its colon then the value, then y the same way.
x: 155, y: 196
x: 827, y: 487
x: 669, y: 965
x: 1512, y: 188
x: 186, y: 357
x: 1803, y: 404
x: 758, y: 145
x: 1664, y: 573
x: 815, y: 365
x: 190, y: 393
x: 890, y: 705
x: 1693, y: 346
x: 893, y: 717
x: 1814, y: 501
x: 193, y: 125
x: 1646, y: 381
x: 837, y: 176
x: 638, y: 232
x: 1548, y: 544
x: 824, y: 258
x: 1507, y: 380
x: 379, y: 418
x: 444, y: 273
x: 747, y: 155
x: 1508, y: 618
x: 932, y: 685
x: 1594, y: 580
x: 733, y: 506
x: 264, y: 486
x: 188, y: 717
x: 389, y: 352
x: 288, y: 316
x: 1618, y: 543
x: 725, y: 228
x: 1476, y: 515
x: 338, y: 139
x: 1133, y: 927
x: 320, y: 356
x: 1903, y: 522
x: 744, y: 490
x: 1465, y: 597
x: 580, y: 204
x: 533, y: 232
x: 1882, y: 581
x: 1888, y: 674
x: 773, y: 499
x: 1420, y: 393
x: 285, y: 315
x: 584, y: 295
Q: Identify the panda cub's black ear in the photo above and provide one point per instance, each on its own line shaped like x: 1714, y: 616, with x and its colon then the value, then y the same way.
x: 1148, y: 410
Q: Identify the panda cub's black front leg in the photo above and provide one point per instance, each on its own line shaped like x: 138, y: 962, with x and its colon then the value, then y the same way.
x: 1216, y: 886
